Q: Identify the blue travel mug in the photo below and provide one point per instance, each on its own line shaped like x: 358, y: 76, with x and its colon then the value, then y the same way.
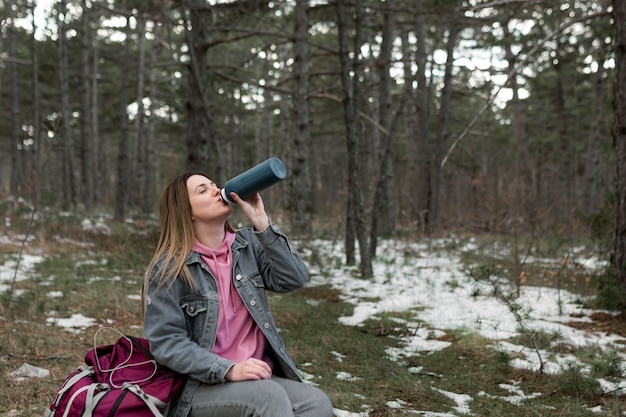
x: 255, y: 179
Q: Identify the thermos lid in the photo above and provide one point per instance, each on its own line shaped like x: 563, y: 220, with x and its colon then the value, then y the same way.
x: 278, y: 168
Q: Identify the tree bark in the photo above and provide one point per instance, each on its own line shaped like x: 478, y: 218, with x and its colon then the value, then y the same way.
x: 592, y: 166
x: 100, y: 143
x: 87, y: 157
x: 148, y: 166
x: 421, y: 164
x: 139, y: 172
x: 618, y: 260
x: 123, y: 185
x: 350, y: 85
x: 67, y: 172
x: 17, y: 151
x: 37, y: 138
x: 384, y: 213
x: 202, y: 148
x: 563, y: 198
x: 442, y: 121
x: 301, y: 190
x: 525, y: 203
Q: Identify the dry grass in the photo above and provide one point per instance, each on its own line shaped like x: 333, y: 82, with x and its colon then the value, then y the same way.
x: 96, y: 274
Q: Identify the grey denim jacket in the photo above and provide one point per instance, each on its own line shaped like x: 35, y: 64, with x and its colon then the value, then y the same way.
x: 181, y: 323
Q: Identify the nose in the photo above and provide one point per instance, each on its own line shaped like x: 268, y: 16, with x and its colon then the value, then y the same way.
x: 215, y: 190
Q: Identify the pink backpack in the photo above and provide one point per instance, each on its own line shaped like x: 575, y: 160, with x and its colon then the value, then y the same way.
x: 122, y: 379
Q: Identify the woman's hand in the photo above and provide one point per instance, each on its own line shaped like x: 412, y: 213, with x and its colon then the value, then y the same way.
x: 249, y: 369
x: 254, y: 210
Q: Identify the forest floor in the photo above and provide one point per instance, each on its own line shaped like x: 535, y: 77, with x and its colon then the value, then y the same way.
x: 440, y: 330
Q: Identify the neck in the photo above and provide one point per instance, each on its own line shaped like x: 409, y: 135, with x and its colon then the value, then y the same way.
x: 211, y: 236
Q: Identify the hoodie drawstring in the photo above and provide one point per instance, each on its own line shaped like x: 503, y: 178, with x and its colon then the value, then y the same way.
x: 219, y: 262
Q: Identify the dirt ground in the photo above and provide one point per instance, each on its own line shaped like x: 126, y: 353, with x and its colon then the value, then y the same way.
x: 605, y: 323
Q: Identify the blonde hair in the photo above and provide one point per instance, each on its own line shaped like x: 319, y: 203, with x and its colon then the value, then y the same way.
x: 176, y: 238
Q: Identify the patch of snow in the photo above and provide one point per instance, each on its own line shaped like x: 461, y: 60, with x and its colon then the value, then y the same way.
x: 74, y: 324
x: 8, y: 270
x: 346, y: 376
x: 462, y: 400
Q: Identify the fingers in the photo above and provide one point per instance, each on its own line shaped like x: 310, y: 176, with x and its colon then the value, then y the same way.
x: 253, y: 209
x: 249, y: 369
x: 254, y: 200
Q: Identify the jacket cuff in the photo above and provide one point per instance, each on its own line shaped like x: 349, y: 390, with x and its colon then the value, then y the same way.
x: 270, y: 234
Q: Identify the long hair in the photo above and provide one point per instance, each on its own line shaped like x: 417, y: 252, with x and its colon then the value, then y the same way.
x: 176, y: 238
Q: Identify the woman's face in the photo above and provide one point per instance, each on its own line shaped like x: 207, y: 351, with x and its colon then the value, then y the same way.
x: 205, y: 200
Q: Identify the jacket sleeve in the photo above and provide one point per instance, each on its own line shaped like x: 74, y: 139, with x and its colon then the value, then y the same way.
x: 166, y: 330
x: 278, y: 261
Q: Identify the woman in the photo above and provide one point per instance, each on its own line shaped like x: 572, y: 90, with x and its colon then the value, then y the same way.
x: 205, y: 310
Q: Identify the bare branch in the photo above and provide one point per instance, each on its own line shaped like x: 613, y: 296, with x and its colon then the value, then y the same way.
x: 514, y: 71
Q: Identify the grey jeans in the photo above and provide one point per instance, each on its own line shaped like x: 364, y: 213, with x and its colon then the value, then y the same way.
x: 277, y: 397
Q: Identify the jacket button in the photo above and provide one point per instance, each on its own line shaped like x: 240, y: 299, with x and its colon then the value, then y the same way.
x: 191, y: 309
x: 253, y: 302
x: 266, y: 325
x: 238, y: 277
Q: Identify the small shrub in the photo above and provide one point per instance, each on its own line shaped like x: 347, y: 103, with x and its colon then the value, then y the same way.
x: 577, y: 383
x: 607, y: 364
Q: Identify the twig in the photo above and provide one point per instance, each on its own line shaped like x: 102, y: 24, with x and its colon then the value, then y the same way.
x: 514, y: 71
x: 19, y: 257
x: 509, y: 301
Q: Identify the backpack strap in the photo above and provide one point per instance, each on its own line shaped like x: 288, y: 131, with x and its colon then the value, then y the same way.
x: 84, y: 371
x: 91, y: 388
x: 153, y: 403
x: 92, y: 399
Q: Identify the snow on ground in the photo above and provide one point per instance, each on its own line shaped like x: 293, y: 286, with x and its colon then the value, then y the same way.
x: 76, y: 323
x: 431, y: 282
x: 434, y: 283
x: 18, y: 270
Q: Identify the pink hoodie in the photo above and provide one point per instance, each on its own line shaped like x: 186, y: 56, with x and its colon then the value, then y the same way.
x: 238, y: 336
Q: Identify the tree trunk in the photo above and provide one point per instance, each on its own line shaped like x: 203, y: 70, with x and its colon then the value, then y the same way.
x: 384, y: 213
x: 87, y: 159
x: 123, y: 185
x: 37, y: 138
x: 17, y: 151
x: 563, y: 188
x: 421, y: 165
x: 148, y: 166
x: 524, y: 204
x: 350, y: 85
x: 139, y: 172
x: 385, y: 198
x: 442, y: 121
x: 592, y: 167
x: 67, y: 147
x: 301, y: 189
x: 100, y: 147
x: 619, y: 138
x: 202, y: 148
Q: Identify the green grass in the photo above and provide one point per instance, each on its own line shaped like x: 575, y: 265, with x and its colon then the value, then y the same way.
x: 97, y: 273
